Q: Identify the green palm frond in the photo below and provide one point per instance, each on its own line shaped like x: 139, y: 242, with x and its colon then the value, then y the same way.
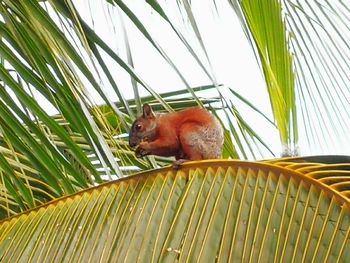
x: 319, y: 40
x: 264, y: 25
x: 207, y: 211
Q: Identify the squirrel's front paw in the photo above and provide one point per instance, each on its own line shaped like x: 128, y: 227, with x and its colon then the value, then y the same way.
x: 141, y: 152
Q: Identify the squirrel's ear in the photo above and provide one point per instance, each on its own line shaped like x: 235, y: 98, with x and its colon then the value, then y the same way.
x: 147, y: 111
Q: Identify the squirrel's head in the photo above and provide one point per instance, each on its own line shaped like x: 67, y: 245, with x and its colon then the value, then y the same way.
x: 144, y: 127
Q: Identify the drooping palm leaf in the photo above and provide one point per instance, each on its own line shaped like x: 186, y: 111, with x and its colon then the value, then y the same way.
x: 319, y: 40
x: 317, y: 36
x: 206, y: 212
x: 265, y: 27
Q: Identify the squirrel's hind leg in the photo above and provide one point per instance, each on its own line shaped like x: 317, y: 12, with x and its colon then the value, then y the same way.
x: 178, y: 163
x: 180, y: 158
x: 194, y: 143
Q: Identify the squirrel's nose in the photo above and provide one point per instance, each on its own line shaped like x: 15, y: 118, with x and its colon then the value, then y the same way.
x: 132, y: 142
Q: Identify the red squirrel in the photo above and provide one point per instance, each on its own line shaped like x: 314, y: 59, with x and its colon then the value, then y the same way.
x: 190, y: 134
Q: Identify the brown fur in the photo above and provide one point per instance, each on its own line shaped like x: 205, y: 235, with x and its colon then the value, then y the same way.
x: 192, y: 134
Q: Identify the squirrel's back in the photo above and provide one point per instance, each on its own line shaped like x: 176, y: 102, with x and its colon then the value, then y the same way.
x: 198, y: 130
x: 196, y: 115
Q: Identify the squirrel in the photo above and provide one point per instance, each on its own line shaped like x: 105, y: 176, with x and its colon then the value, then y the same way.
x: 190, y: 134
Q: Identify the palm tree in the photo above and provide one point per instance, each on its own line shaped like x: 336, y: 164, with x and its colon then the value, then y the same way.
x: 64, y: 110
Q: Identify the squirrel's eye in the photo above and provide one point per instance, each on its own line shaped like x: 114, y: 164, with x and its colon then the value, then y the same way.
x: 138, y: 127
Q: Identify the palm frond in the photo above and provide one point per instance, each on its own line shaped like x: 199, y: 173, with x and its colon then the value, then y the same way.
x: 207, y: 211
x: 319, y: 39
x: 264, y: 25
